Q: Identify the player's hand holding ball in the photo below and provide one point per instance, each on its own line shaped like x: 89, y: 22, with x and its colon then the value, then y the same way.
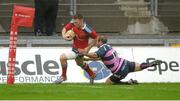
x: 69, y: 36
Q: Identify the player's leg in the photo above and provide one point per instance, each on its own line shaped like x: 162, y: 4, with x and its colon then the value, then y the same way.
x: 109, y: 82
x: 80, y: 62
x: 63, y: 60
x: 116, y: 79
x: 142, y: 66
x: 129, y: 82
x: 126, y: 68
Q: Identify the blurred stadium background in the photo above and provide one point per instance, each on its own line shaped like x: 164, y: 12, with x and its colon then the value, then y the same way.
x: 127, y: 22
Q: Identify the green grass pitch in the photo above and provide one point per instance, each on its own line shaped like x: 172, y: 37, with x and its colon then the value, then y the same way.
x: 68, y: 91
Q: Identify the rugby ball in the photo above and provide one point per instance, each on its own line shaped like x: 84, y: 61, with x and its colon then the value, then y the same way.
x: 70, y: 34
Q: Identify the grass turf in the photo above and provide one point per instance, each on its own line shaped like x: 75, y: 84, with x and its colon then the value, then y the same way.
x: 149, y: 91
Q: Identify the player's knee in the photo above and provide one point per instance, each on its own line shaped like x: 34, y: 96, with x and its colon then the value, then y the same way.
x: 137, y: 67
x: 81, y: 64
x: 63, y: 57
x: 108, y: 82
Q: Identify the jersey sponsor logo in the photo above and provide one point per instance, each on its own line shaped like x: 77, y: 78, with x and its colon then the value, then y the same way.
x: 100, y: 70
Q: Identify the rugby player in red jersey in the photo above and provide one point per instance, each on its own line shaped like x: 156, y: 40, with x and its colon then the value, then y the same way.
x: 83, y: 32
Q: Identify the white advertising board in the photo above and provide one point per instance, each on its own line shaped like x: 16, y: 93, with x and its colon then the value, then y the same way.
x: 42, y: 65
x: 168, y: 71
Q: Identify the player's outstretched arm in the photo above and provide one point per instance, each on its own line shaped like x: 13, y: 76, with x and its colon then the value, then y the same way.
x: 92, y: 43
x: 87, y: 49
x: 91, y: 55
x: 91, y: 59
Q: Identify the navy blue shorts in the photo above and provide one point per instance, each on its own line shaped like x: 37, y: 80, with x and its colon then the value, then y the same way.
x: 126, y: 68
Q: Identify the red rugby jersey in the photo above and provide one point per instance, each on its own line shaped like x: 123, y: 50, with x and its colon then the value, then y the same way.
x: 82, y: 35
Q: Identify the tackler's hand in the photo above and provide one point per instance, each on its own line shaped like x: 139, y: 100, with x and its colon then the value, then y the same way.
x: 82, y: 51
